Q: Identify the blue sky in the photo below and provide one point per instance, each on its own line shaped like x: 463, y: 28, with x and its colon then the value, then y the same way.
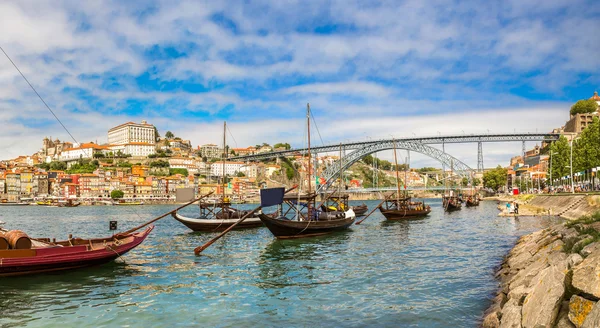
x: 368, y: 68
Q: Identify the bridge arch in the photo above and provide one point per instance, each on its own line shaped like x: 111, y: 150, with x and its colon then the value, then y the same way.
x: 333, y: 171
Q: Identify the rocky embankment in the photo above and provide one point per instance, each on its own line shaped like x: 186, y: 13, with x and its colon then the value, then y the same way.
x: 551, y: 278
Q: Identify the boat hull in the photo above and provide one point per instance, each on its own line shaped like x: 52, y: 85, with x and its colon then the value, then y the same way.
x: 360, y: 210
x: 469, y: 203
x: 38, y: 260
x: 452, y: 207
x: 284, y: 228
x: 396, y: 215
x: 209, y: 225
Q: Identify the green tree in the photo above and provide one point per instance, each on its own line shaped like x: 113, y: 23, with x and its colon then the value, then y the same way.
x: 183, y: 172
x: 495, y: 178
x: 584, y: 106
x: 586, y: 152
x: 156, y: 134
x: 427, y: 169
x: 240, y: 174
x: 159, y: 163
x: 476, y: 182
x: 116, y: 194
x: 286, y: 145
x: 169, y: 135
x: 561, y: 154
x: 464, y: 182
x: 124, y: 164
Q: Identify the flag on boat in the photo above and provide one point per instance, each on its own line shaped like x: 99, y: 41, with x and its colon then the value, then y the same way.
x: 271, y: 196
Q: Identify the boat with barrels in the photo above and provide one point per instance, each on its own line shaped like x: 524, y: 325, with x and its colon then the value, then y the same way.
x: 302, y: 216
x: 303, y: 219
x: 472, y: 201
x: 451, y: 203
x: 337, y: 202
x: 403, y: 208
x: 22, y: 255
x: 217, y: 214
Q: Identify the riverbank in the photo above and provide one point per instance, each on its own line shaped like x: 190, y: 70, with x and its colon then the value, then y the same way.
x: 551, y: 279
x: 566, y: 206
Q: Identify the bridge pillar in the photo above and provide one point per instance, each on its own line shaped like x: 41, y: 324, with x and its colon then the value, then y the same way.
x: 480, y: 157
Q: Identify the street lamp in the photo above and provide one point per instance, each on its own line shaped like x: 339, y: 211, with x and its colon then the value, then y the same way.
x: 572, y: 187
x: 551, y: 182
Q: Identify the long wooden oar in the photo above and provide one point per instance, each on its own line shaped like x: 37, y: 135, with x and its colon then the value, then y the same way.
x: 375, y: 209
x: 166, y: 214
x: 199, y: 249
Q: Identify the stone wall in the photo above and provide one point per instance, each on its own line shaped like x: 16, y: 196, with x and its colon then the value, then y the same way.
x: 551, y: 278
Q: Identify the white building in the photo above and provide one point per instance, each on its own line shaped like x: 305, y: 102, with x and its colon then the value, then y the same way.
x: 131, y: 133
x: 250, y: 170
x: 85, y: 150
x: 136, y: 149
x: 271, y: 168
x: 231, y: 168
x: 211, y: 151
x: 191, y: 164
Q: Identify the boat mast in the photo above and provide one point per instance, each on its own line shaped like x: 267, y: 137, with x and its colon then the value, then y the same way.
x: 224, y: 156
x: 397, y: 176
x: 406, y: 169
x: 341, y: 173
x: 309, y: 158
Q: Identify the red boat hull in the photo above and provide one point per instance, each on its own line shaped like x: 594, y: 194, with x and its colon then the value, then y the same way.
x: 29, y: 261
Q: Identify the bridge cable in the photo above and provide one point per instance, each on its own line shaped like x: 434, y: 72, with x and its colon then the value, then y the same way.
x: 42, y: 99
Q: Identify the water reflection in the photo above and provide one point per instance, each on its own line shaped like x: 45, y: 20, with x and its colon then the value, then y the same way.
x: 27, y: 298
x: 299, y: 262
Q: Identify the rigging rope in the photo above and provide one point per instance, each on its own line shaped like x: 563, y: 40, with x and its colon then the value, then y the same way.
x: 42, y: 99
x: 316, y: 127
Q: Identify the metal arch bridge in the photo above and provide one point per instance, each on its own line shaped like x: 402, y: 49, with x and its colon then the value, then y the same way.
x: 480, y: 138
x: 420, y: 145
x: 333, y: 170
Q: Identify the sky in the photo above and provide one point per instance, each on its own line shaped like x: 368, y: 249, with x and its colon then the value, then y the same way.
x: 369, y: 69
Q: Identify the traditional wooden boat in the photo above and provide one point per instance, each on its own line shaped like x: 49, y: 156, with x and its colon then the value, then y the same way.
x: 205, y: 223
x: 302, y: 219
x: 451, y: 203
x: 472, y: 201
x: 339, y: 203
x: 360, y: 210
x: 68, y: 203
x: 14, y: 204
x: 403, y: 208
x: 43, y: 255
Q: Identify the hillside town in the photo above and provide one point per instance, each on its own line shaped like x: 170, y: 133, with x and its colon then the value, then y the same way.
x: 535, y: 170
x: 136, y: 162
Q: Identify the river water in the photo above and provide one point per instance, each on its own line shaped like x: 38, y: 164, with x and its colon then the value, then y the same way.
x: 433, y: 272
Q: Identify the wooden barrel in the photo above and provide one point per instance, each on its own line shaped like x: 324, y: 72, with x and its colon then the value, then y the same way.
x: 17, y: 239
x: 3, y: 241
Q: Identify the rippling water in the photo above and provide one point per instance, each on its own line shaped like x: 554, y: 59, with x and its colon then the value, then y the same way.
x: 433, y: 272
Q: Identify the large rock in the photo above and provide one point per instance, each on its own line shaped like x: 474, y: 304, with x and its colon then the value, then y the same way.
x: 579, y: 308
x: 541, y: 306
x: 586, y: 276
x: 593, y: 318
x: 491, y: 321
x: 524, y: 276
x: 511, y: 315
x: 590, y: 249
x: 574, y: 260
x: 519, y: 293
x: 563, y: 317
